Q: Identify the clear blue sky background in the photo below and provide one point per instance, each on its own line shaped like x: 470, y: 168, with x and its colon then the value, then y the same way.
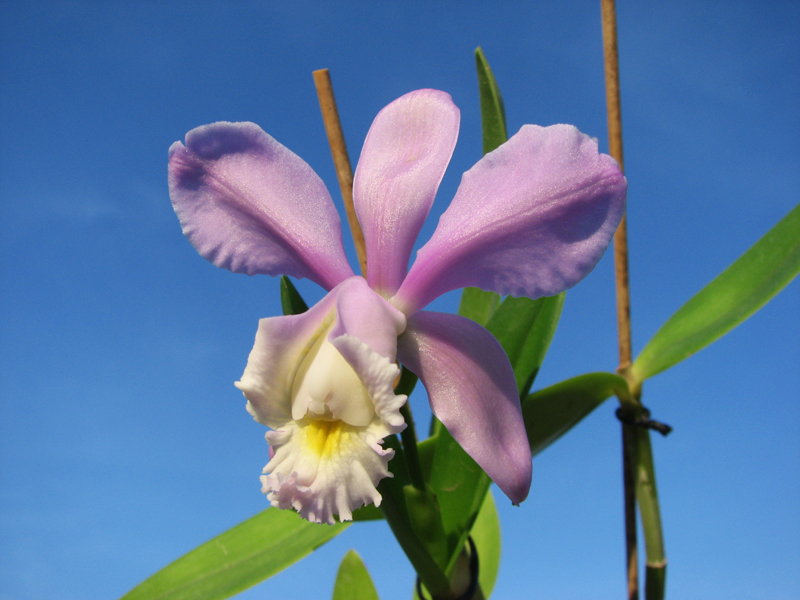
x: 123, y: 443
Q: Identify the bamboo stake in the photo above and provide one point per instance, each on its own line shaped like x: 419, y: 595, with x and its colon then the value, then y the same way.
x: 609, y: 19
x: 615, y: 149
x: 344, y: 172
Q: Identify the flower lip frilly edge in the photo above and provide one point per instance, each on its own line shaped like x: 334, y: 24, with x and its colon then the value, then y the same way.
x: 531, y: 218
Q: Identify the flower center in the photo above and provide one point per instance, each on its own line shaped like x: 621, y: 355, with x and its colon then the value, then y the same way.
x: 327, y: 388
x: 324, y: 438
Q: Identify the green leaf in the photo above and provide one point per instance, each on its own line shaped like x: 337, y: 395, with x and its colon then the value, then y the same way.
x: 486, y: 535
x: 493, y: 113
x: 395, y: 510
x: 551, y: 412
x: 370, y: 512
x: 427, y: 449
x: 525, y: 328
x: 478, y: 305
x: 238, y: 559
x: 353, y: 581
x: 404, y: 387
x: 426, y: 521
x: 459, y: 483
x: 738, y: 292
x: 460, y: 486
x: 291, y: 300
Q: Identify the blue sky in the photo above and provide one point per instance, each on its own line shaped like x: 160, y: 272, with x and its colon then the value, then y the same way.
x: 123, y: 443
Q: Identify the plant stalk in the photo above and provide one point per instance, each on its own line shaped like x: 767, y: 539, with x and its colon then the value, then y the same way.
x: 629, y: 496
x: 395, y: 510
x: 409, y: 435
x: 647, y: 497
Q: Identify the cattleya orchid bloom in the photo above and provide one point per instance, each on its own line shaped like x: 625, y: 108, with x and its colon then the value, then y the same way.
x: 531, y: 218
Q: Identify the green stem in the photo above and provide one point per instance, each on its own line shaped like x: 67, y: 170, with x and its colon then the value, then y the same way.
x: 647, y: 497
x: 629, y: 496
x: 395, y: 510
x: 409, y: 435
x: 409, y: 438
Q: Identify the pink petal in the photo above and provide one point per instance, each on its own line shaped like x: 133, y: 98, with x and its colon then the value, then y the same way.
x: 250, y: 205
x: 402, y: 163
x: 362, y: 313
x: 472, y: 391
x: 281, y: 345
x: 530, y: 219
x: 351, y: 311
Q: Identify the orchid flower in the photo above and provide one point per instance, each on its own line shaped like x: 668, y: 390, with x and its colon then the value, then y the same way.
x: 531, y: 218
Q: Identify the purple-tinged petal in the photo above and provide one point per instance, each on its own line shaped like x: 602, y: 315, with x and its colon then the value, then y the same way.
x: 472, y: 391
x: 332, y: 360
x: 362, y: 313
x: 276, y: 358
x: 326, y: 468
x: 365, y: 334
x: 530, y: 219
x: 351, y: 376
x: 402, y: 163
x: 250, y: 205
x: 328, y: 395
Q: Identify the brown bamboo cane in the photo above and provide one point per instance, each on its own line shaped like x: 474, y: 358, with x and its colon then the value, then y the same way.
x: 341, y: 160
x: 611, y: 54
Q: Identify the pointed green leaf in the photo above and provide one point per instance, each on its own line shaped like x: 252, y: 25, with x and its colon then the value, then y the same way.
x: 238, y: 559
x: 551, y: 412
x: 460, y: 486
x: 493, y: 113
x: 395, y: 509
x: 459, y: 483
x: 291, y: 300
x: 738, y: 292
x: 353, y: 581
x: 425, y: 516
x: 486, y: 536
x: 525, y: 328
x: 478, y: 305
x: 457, y: 480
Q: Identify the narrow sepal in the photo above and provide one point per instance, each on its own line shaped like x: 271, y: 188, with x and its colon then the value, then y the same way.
x: 402, y: 163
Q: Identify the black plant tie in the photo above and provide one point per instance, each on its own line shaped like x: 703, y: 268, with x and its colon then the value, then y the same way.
x: 644, y: 420
x: 473, y: 575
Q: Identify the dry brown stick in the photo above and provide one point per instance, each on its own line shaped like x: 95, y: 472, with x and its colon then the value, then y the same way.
x: 333, y: 127
x: 615, y: 148
x: 609, y: 18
